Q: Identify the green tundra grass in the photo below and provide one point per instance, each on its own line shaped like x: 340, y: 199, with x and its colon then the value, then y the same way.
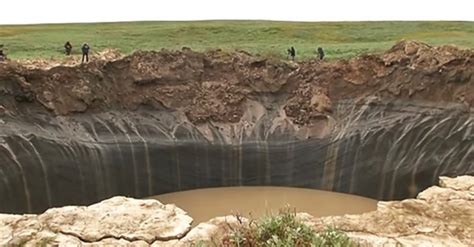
x: 339, y: 39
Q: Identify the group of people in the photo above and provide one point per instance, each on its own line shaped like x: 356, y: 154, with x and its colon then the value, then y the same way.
x: 292, y: 53
x: 84, y: 48
x: 85, y: 52
x: 68, y: 50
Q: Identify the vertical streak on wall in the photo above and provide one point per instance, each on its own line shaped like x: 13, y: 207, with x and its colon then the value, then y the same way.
x: 74, y: 155
x: 115, y: 140
x: 105, y: 190
x: 398, y: 155
x: 268, y: 169
x: 232, y: 175
x: 23, y: 179
x: 147, y: 161
x: 178, y: 167
x: 7, y: 184
x: 291, y: 163
x: 176, y: 152
x: 330, y: 166
x: 223, y: 163
x: 43, y: 168
x: 134, y: 161
x: 356, y: 142
x: 240, y: 178
x: 329, y: 173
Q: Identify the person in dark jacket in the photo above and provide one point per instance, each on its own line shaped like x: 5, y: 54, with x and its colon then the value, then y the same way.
x: 68, y: 48
x: 320, y: 53
x: 85, y: 52
x: 292, y: 53
x: 3, y: 56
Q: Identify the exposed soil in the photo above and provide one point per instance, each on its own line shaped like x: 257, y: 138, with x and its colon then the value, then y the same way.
x: 215, y: 85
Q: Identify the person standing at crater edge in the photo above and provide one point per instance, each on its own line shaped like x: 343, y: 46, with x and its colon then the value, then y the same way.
x: 68, y: 48
x: 292, y: 53
x: 3, y: 56
x: 320, y: 53
x: 85, y: 52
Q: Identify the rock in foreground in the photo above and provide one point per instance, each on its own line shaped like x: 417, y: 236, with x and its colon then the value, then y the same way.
x: 439, y: 216
x: 116, y: 220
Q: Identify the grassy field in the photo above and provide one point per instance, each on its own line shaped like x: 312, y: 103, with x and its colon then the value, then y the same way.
x: 339, y: 39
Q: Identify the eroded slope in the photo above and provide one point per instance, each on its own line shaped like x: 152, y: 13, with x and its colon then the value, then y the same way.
x: 215, y: 85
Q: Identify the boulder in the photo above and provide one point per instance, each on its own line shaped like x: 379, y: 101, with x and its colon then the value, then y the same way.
x: 116, y: 220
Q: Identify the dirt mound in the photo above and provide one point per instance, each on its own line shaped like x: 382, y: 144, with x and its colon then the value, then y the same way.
x: 215, y: 85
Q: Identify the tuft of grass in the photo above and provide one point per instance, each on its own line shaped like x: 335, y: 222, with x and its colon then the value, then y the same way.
x: 339, y: 39
x: 332, y: 237
x: 284, y: 229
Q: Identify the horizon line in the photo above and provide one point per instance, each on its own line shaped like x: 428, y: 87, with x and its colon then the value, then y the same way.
x: 221, y: 20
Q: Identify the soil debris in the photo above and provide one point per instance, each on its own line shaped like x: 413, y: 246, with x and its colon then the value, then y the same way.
x: 215, y: 85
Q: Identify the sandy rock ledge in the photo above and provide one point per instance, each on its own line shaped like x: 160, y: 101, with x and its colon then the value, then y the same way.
x: 115, y: 221
x: 439, y: 216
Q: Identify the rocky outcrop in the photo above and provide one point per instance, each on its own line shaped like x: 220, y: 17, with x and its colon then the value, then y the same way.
x: 116, y: 220
x: 439, y: 216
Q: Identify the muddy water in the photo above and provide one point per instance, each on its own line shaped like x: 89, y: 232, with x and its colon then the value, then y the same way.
x: 204, y: 204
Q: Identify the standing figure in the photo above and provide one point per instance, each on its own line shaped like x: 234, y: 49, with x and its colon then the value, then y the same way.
x: 320, y: 53
x: 292, y: 53
x: 68, y: 48
x: 85, y: 52
x: 3, y: 56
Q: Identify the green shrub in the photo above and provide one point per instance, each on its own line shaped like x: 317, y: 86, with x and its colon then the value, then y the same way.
x: 284, y: 230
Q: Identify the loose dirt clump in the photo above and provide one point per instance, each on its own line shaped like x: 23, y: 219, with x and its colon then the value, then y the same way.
x: 217, y: 102
x: 308, y: 102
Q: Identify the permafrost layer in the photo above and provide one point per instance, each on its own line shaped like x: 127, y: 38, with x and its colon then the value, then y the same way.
x: 385, y: 152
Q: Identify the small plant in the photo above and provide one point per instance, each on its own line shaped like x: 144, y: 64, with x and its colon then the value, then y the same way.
x: 282, y: 230
x: 332, y: 237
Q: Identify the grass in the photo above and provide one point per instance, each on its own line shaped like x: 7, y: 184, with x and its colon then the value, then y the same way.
x: 339, y: 39
x: 284, y: 230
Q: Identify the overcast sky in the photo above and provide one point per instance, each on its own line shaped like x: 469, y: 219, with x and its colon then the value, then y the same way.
x: 57, y: 11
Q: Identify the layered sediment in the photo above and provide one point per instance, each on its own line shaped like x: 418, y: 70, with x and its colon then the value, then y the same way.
x: 439, y: 216
x: 383, y: 126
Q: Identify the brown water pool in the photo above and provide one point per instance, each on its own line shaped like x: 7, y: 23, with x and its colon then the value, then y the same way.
x: 204, y: 204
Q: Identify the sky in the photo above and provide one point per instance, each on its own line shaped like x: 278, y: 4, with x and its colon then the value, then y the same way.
x: 61, y: 11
